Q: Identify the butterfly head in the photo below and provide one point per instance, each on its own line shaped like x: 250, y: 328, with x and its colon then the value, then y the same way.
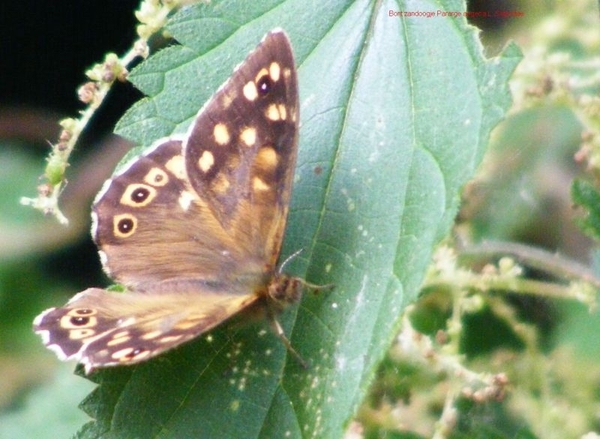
x: 285, y: 290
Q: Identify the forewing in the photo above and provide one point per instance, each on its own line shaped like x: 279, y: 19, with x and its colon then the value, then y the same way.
x: 240, y: 152
x: 218, y: 208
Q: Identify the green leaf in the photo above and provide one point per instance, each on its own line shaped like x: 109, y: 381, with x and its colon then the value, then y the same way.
x: 587, y: 196
x: 57, y: 401
x: 395, y: 116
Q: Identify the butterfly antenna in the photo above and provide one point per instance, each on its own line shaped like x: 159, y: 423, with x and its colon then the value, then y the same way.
x: 288, y: 259
x: 316, y: 288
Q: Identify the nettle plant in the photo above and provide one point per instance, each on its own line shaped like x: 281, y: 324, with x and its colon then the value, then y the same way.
x: 395, y: 116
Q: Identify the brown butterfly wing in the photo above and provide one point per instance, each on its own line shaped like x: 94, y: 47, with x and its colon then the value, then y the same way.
x: 151, y: 226
x: 241, y: 158
x: 100, y: 328
x: 194, y: 226
x: 224, y: 213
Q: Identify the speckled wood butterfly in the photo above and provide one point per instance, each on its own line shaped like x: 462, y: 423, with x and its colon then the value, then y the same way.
x: 193, y: 228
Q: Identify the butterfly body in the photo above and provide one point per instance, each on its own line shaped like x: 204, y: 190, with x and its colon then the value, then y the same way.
x: 193, y: 228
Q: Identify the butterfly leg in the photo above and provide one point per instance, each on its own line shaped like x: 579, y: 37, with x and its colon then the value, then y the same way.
x: 281, y: 334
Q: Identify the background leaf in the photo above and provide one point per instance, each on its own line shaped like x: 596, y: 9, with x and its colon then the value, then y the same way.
x: 586, y: 195
x: 395, y: 115
x: 56, y: 402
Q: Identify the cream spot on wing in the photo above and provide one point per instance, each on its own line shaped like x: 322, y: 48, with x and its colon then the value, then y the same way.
x: 282, y: 111
x: 81, y: 312
x: 156, y: 177
x: 221, y: 134
x: 272, y: 112
x: 124, y: 225
x: 127, y: 321
x: 151, y: 335
x: 170, y: 339
x: 250, y: 91
x: 176, y: 166
x: 185, y: 200
x: 248, y: 136
x: 287, y: 73
x: 120, y: 354
x: 259, y: 185
x: 220, y: 184
x: 140, y: 355
x: 262, y: 72
x: 266, y: 158
x: 274, y: 71
x: 206, y: 161
x: 227, y: 99
x: 118, y: 340
x: 138, y: 195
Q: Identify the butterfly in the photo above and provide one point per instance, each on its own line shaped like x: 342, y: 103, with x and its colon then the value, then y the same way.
x: 193, y: 227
